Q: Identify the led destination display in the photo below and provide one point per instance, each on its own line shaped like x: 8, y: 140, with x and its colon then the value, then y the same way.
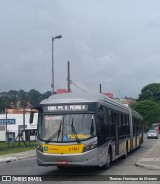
x: 66, y: 108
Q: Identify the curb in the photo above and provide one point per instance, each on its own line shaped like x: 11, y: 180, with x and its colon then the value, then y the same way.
x: 13, y: 159
x: 151, y: 167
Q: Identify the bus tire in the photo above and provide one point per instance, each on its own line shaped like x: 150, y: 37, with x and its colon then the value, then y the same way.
x: 109, y: 160
x: 61, y: 167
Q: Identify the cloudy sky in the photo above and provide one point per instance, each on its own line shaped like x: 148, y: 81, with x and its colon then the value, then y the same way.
x: 115, y: 43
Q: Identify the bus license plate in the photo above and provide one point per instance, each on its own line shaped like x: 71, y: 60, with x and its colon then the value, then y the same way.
x: 62, y: 162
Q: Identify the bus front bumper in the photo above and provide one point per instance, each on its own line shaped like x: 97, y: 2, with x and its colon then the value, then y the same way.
x: 88, y: 158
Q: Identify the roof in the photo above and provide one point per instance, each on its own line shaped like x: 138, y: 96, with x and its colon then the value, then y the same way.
x: 80, y: 98
x: 136, y: 114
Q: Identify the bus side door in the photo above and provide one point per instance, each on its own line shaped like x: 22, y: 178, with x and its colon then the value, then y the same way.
x: 102, y: 143
x: 115, y: 120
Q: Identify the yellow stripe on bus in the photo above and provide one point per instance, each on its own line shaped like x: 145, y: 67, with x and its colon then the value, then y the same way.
x: 63, y: 149
x: 129, y: 145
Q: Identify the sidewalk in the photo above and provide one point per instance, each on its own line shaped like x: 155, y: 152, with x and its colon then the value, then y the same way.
x: 151, y: 160
x: 17, y: 156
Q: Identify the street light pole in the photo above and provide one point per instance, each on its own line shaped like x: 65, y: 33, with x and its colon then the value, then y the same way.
x: 53, y: 38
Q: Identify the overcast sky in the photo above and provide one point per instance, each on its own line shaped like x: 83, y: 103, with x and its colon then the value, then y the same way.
x: 115, y: 43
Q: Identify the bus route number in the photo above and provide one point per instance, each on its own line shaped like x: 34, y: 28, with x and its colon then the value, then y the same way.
x: 74, y: 149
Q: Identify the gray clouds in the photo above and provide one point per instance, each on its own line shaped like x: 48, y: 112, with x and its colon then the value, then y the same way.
x: 115, y: 43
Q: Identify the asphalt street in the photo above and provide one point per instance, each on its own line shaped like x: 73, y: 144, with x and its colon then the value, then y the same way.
x: 28, y: 166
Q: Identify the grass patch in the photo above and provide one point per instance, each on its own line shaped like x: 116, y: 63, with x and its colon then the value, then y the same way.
x: 18, y: 147
x: 16, y: 150
x: 3, y: 144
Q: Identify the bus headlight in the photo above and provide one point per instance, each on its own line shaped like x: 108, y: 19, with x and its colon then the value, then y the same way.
x: 90, y: 146
x: 39, y: 147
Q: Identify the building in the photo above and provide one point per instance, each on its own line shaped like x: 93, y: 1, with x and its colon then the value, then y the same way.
x: 59, y: 91
x: 110, y: 95
x: 15, y: 120
x: 127, y: 101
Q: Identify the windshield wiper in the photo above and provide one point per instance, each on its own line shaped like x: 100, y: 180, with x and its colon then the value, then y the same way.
x: 74, y: 131
x: 52, y: 136
x: 60, y: 129
x: 55, y: 134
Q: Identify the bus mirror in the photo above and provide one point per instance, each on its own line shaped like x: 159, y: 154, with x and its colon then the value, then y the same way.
x: 31, y: 117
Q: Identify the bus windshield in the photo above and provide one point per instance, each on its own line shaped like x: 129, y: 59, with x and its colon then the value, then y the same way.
x: 66, y: 128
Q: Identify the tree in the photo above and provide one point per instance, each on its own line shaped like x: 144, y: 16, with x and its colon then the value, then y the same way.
x: 150, y: 111
x: 4, y: 103
x: 35, y: 97
x: 13, y: 97
x: 46, y: 94
x: 22, y: 98
x: 150, y: 92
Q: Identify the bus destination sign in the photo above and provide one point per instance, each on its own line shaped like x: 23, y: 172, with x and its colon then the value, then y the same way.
x: 67, y: 108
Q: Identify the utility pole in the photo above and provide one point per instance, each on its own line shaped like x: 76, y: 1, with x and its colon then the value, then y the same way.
x: 23, y: 122
x: 68, y: 78
x: 6, y: 129
x: 100, y: 88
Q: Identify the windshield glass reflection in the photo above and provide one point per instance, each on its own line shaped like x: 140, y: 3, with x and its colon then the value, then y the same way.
x: 66, y: 128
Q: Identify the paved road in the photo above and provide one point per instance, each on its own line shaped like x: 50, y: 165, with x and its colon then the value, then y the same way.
x: 119, y: 167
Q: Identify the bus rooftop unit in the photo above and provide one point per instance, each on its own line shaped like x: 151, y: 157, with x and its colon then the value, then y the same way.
x: 85, y: 130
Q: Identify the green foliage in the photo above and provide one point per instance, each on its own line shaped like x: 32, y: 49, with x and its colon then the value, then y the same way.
x: 150, y: 111
x: 150, y: 92
x: 20, y: 99
x: 35, y: 97
x: 23, y: 98
x: 148, y: 104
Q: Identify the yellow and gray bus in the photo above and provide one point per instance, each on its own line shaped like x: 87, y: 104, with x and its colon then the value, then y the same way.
x: 85, y: 130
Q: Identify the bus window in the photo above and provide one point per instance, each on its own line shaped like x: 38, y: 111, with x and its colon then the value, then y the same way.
x: 101, y: 115
x: 134, y: 125
x: 127, y: 125
x: 107, y: 124
x: 111, y: 122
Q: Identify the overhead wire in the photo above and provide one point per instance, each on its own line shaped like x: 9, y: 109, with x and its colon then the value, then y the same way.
x: 71, y: 82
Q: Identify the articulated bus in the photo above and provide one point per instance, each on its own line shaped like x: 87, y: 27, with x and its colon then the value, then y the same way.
x: 85, y: 130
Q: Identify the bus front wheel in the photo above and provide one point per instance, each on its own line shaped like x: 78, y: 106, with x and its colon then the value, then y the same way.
x: 109, y: 160
x: 61, y: 167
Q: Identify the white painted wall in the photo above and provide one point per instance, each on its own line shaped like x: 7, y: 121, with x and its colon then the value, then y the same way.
x: 19, y: 121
